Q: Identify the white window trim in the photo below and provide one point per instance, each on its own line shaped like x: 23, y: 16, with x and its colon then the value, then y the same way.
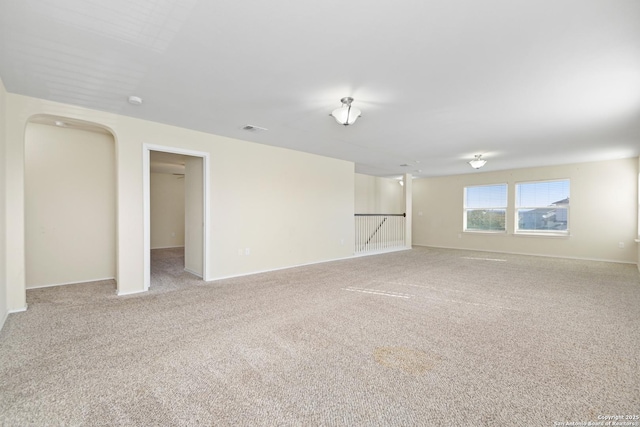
x: 505, y: 208
x: 540, y: 233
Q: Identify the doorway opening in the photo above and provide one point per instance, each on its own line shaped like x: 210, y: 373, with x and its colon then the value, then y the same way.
x: 176, y: 224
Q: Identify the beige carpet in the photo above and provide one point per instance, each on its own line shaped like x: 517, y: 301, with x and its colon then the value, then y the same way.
x: 421, y: 337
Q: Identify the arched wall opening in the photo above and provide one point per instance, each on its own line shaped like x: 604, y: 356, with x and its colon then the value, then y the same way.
x: 70, y: 202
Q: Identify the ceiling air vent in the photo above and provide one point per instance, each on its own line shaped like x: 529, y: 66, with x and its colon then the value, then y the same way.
x: 252, y: 128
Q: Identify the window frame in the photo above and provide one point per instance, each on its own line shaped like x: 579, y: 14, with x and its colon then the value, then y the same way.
x: 541, y: 232
x: 466, y: 209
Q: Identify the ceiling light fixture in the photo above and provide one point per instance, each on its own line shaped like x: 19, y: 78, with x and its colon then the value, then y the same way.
x: 253, y: 128
x: 135, y: 100
x: 478, y: 162
x: 346, y: 115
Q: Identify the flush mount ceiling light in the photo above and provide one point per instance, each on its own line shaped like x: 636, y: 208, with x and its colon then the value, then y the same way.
x: 253, y: 128
x: 478, y: 162
x: 346, y: 115
x: 135, y: 100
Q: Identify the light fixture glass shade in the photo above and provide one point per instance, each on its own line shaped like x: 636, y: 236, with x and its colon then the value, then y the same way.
x: 478, y: 162
x: 346, y: 115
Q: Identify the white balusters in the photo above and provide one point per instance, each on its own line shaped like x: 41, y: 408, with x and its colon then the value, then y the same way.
x: 379, y: 233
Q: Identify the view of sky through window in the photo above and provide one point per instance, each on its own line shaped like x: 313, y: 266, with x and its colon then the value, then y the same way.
x: 541, y: 193
x: 487, y: 196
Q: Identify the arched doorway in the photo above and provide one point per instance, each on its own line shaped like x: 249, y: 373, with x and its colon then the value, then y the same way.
x: 70, y: 202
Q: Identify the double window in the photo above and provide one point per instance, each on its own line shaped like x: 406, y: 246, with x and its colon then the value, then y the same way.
x: 485, y: 207
x: 541, y: 207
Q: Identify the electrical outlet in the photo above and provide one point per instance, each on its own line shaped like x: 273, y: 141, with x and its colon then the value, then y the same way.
x: 240, y: 252
x: 247, y: 251
x: 621, y: 245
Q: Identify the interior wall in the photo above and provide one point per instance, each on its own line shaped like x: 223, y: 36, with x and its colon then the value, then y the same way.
x: 286, y: 207
x: 290, y: 208
x: 378, y: 195
x: 69, y: 205
x: 193, y: 215
x: 4, y: 309
x: 603, y: 212
x: 167, y: 210
x: 15, y: 123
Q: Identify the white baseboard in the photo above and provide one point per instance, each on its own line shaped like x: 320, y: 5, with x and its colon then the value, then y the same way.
x: 6, y: 315
x: 384, y: 251
x: 288, y: 267
x: 70, y: 283
x: 167, y: 247
x: 121, y: 294
x: 527, y: 254
x: 19, y: 310
x: 193, y: 272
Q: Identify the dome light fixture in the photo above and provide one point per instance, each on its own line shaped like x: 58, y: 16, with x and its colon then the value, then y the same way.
x: 135, y: 100
x: 346, y: 115
x: 478, y: 162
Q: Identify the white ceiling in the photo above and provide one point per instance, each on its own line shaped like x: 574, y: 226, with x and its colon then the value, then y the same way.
x: 526, y: 83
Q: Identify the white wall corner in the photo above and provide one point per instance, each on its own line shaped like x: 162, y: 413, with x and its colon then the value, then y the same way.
x: 408, y: 208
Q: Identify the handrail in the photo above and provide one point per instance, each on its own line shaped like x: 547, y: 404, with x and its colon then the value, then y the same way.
x: 379, y: 232
x: 402, y: 214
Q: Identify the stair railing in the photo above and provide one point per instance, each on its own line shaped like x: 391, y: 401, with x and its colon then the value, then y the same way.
x: 379, y: 232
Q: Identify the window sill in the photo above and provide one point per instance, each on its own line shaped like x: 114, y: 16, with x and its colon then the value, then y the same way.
x: 552, y: 235
x: 493, y: 232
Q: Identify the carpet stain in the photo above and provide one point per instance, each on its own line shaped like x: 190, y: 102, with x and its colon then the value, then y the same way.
x: 413, y: 362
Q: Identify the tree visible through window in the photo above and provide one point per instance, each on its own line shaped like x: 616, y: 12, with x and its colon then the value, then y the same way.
x: 542, y: 207
x: 485, y: 207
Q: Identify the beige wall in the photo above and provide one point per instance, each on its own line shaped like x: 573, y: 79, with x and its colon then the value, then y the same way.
x: 603, y: 212
x: 194, y: 219
x: 289, y: 208
x: 378, y: 195
x: 69, y: 206
x: 286, y: 207
x: 3, y: 273
x: 167, y: 210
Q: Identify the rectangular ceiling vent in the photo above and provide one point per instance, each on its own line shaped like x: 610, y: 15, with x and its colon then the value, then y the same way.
x: 252, y: 128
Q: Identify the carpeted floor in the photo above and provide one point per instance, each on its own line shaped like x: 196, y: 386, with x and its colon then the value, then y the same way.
x: 421, y: 337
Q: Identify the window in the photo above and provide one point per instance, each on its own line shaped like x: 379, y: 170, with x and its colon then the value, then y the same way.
x: 542, y: 207
x: 485, y: 207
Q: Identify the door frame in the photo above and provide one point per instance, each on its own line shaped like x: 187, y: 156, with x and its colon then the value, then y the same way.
x: 146, y: 189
